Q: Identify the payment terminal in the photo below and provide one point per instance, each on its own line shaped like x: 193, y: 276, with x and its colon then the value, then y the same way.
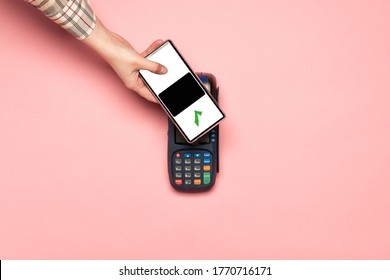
x: 194, y: 167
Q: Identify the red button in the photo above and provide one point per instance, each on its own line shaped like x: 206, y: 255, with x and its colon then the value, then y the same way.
x: 179, y: 181
x: 177, y: 154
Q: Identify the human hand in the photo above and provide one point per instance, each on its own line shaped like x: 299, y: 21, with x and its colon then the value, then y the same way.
x: 125, y: 61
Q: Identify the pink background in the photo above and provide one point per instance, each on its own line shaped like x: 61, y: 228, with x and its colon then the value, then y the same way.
x: 305, y: 148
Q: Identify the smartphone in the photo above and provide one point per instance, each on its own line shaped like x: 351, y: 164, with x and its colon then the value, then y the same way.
x: 182, y: 95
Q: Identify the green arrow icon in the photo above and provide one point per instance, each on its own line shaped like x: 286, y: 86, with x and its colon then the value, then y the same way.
x: 197, y: 114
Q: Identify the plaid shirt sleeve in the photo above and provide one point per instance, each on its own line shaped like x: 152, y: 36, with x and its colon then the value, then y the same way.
x: 75, y: 16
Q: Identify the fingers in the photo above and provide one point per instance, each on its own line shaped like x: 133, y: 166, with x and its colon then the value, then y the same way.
x: 151, y: 66
x: 152, y: 47
x: 145, y: 93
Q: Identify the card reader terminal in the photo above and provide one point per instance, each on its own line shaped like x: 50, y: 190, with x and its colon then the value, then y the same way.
x: 194, y: 167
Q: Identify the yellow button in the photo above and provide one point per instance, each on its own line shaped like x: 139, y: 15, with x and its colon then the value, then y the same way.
x: 197, y: 182
x: 206, y: 168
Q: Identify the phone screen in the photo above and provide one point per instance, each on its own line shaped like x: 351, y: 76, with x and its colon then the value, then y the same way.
x: 181, y: 93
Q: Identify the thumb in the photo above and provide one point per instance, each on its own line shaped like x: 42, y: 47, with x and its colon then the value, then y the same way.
x: 152, y: 66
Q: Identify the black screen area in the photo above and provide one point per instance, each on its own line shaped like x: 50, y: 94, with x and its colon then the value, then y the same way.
x: 179, y: 139
x: 181, y: 94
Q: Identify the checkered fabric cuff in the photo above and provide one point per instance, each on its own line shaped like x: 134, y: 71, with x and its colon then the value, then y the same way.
x: 75, y: 16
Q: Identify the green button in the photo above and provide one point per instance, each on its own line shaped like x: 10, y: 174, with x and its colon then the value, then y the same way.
x: 206, y: 178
